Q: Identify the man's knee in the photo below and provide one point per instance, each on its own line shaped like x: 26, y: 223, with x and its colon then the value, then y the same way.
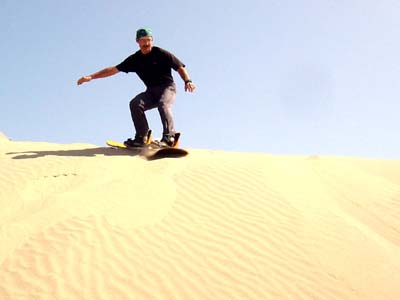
x: 136, y: 104
x: 165, y: 108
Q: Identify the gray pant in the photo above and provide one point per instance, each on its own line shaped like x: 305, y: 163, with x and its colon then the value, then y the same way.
x: 161, y: 97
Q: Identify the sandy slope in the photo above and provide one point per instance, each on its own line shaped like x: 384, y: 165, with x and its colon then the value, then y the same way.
x: 85, y: 222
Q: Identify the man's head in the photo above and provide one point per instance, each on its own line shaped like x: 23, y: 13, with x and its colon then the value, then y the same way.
x: 142, y: 32
x: 144, y: 37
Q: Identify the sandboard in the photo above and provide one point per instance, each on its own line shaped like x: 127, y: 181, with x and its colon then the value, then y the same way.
x: 151, y: 151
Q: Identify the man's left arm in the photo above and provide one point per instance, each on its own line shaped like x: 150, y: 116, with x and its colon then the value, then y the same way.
x: 189, y: 85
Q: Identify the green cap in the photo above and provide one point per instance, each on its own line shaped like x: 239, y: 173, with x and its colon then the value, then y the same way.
x: 142, y: 32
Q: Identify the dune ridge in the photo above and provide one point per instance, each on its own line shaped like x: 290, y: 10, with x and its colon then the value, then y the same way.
x: 85, y: 222
x: 3, y: 137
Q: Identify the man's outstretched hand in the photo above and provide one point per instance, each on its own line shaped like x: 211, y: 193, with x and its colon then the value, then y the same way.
x: 190, y: 87
x: 84, y: 79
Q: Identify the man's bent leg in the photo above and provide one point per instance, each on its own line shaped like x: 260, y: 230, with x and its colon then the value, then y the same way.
x: 165, y: 110
x: 138, y: 106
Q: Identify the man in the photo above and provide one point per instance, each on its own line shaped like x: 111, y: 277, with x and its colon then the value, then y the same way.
x: 153, y: 66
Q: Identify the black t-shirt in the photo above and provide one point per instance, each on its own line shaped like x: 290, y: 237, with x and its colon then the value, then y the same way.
x: 153, y: 68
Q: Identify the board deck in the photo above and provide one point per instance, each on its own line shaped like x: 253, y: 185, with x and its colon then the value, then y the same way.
x: 151, y: 151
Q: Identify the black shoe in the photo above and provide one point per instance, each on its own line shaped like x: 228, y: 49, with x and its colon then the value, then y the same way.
x: 170, y: 140
x: 139, y: 141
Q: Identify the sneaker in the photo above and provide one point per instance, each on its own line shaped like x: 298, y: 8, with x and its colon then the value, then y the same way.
x: 139, y: 141
x: 170, y: 140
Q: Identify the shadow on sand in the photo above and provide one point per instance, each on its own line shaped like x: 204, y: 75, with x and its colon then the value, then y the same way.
x: 90, y: 152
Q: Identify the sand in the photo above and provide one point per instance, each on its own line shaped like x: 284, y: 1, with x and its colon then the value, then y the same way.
x: 80, y: 221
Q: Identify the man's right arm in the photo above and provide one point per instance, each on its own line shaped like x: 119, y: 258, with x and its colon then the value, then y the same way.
x: 100, y: 74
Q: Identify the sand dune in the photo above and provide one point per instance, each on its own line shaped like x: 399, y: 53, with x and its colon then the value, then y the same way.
x: 85, y: 222
x: 3, y: 137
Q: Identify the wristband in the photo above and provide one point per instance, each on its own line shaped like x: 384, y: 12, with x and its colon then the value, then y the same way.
x: 188, y: 81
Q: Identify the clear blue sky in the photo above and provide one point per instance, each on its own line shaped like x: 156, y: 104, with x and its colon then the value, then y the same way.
x: 281, y: 77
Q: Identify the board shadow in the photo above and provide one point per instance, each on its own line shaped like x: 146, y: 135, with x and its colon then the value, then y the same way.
x: 89, y: 152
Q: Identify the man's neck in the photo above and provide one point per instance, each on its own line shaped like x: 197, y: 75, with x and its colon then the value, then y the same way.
x: 145, y: 51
